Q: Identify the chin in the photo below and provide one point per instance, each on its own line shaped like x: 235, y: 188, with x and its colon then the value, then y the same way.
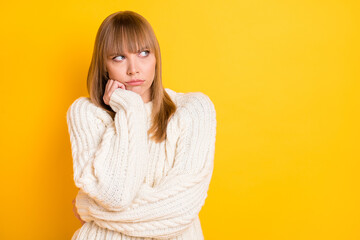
x: 135, y: 89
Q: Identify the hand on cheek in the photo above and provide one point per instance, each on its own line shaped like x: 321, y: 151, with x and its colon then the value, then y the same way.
x: 110, y: 87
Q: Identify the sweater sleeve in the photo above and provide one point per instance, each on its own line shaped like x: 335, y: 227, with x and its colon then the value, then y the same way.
x: 109, y: 156
x: 169, y: 208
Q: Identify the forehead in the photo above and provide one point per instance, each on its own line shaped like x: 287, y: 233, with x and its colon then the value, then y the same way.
x: 119, y: 42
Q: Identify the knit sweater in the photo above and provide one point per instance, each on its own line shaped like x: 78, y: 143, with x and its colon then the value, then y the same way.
x: 131, y: 187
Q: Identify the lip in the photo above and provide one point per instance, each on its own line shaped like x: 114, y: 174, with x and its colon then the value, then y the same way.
x: 135, y: 82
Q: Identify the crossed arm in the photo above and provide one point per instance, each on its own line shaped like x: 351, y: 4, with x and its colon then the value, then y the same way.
x: 163, y: 211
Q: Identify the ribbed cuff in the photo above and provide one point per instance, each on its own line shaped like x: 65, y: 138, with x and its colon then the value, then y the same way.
x: 121, y: 98
x: 82, y: 204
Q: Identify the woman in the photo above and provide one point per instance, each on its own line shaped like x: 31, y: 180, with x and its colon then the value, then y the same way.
x: 133, y: 185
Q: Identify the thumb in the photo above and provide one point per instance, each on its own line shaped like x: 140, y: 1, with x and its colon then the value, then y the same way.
x: 120, y: 85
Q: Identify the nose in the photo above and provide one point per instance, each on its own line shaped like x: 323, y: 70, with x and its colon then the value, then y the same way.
x: 132, y: 66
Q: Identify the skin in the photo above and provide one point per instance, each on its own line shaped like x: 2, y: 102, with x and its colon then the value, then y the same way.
x: 121, y: 69
x: 128, y: 66
x: 76, y: 212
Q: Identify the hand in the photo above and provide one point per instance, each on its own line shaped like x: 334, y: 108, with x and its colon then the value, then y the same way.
x: 110, y: 87
x: 76, y: 213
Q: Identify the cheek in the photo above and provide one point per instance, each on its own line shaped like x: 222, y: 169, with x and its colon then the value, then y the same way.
x: 115, y: 71
x: 152, y: 67
x: 148, y: 69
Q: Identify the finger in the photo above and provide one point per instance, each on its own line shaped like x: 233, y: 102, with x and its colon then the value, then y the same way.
x: 121, y: 85
x: 114, y: 87
x: 117, y: 84
x: 108, y: 85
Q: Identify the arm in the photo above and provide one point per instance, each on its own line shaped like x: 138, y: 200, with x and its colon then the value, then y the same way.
x: 109, y: 157
x: 167, y: 210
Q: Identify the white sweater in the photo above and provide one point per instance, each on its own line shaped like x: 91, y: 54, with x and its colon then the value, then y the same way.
x: 131, y: 187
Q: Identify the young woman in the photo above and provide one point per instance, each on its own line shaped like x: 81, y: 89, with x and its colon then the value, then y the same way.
x: 143, y: 155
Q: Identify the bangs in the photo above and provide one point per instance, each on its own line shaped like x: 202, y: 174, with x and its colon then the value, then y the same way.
x: 128, y: 36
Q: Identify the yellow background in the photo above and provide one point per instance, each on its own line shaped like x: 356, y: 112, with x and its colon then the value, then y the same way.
x: 284, y: 78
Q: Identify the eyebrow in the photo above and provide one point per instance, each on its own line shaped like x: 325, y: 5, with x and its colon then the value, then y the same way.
x: 121, y: 54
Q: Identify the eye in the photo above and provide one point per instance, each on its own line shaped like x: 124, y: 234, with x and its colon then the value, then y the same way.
x: 117, y: 58
x: 147, y: 52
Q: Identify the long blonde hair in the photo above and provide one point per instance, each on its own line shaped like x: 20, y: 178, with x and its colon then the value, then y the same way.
x: 129, y: 30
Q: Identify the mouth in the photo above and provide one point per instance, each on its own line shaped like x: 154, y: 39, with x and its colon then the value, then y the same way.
x: 135, y: 82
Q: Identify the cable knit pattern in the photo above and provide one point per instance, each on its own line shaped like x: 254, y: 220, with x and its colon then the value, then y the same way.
x: 131, y: 187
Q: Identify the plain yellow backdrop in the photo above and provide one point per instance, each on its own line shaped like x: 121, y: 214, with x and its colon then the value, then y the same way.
x: 284, y: 78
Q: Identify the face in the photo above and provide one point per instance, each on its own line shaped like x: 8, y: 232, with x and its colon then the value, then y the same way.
x: 129, y: 66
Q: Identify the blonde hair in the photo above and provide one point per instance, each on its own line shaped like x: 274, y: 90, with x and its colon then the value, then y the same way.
x: 129, y: 30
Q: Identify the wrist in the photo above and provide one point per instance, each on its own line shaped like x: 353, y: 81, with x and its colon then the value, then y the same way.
x: 82, y: 204
x: 125, y: 99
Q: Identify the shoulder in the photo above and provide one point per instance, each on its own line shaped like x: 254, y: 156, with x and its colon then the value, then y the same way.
x: 83, y: 108
x: 81, y: 105
x: 193, y: 105
x: 197, y: 100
